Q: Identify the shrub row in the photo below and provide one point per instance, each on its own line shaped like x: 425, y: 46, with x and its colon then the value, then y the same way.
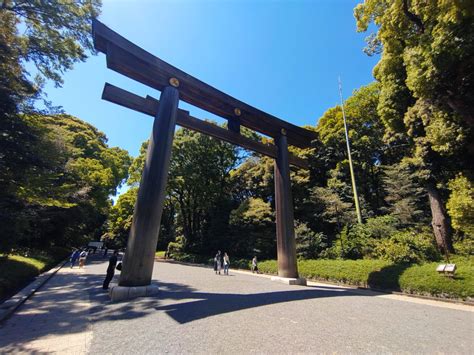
x: 421, y: 279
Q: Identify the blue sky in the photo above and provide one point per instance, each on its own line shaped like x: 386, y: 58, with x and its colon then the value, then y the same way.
x: 282, y: 57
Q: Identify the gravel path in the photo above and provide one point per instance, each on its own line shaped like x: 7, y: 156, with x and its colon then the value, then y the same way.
x: 200, y: 312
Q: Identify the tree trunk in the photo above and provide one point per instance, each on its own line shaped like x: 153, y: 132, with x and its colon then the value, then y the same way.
x: 440, y: 220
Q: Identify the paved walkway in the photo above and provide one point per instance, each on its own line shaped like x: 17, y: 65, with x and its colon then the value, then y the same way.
x: 200, y: 312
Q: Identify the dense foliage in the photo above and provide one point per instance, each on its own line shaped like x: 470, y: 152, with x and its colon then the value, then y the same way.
x: 61, y: 197
x: 427, y: 89
x: 56, y: 171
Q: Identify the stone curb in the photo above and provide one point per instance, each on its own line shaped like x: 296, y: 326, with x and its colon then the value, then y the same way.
x: 355, y: 287
x: 8, y: 307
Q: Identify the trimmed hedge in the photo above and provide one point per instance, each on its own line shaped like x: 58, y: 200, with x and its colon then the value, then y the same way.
x: 17, y: 270
x: 419, y: 279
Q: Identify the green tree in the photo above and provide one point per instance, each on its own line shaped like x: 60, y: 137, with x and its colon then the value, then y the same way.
x: 51, y: 36
x: 461, y: 205
x: 63, y: 194
x: 120, y: 218
x: 199, y: 177
x: 406, y: 199
x: 366, y: 131
x: 54, y: 35
x: 253, y: 178
x: 253, y: 229
x: 197, y: 205
x: 426, y: 77
x: 308, y: 243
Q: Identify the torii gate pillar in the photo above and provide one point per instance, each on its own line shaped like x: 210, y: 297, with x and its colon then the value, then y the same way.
x: 140, y: 255
x: 286, y: 245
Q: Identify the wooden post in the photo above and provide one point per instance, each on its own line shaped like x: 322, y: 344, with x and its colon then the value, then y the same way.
x: 140, y: 254
x: 234, y: 125
x: 286, y: 245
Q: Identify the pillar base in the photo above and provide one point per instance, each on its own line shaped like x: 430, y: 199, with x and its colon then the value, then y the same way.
x: 289, y: 280
x: 123, y: 293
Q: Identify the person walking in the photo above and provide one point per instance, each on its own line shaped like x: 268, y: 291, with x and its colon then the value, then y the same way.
x: 254, y: 265
x: 82, y: 258
x: 110, y: 270
x: 74, y: 257
x: 226, y: 264
x: 218, y: 262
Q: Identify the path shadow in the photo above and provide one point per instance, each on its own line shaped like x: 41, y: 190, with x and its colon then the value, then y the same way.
x: 204, y: 304
x: 387, y: 278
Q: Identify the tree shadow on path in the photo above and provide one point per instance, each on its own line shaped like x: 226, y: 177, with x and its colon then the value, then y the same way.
x: 387, y: 278
x: 204, y: 304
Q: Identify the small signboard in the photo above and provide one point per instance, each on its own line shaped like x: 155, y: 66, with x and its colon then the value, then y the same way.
x: 450, y: 268
x: 446, y: 269
x: 95, y: 245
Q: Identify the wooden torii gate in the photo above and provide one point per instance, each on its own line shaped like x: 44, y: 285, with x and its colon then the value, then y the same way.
x: 132, y: 61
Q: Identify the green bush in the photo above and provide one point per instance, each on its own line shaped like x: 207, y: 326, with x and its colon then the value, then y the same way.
x: 407, y: 247
x: 160, y: 254
x: 379, y: 238
x: 308, y: 243
x: 464, y: 247
x: 362, y: 239
x: 191, y: 258
x: 383, y: 274
x: 423, y: 279
x: 176, y: 248
x: 240, y: 264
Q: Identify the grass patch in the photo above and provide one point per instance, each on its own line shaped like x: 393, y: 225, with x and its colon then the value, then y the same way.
x: 160, y: 254
x: 424, y: 280
x: 17, y: 270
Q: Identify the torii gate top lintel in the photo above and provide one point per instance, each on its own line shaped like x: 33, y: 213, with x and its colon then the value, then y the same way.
x: 130, y: 60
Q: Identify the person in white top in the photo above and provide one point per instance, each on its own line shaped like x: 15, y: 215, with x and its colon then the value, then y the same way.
x: 82, y: 258
x: 254, y: 265
x: 226, y: 264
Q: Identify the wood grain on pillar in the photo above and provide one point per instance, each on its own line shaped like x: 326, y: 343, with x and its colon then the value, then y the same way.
x: 140, y: 254
x: 286, y: 245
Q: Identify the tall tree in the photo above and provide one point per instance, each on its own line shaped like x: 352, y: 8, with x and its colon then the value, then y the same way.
x: 368, y: 149
x: 253, y: 229
x: 64, y: 192
x: 426, y: 77
x: 49, y: 36
x: 404, y: 196
x: 54, y: 35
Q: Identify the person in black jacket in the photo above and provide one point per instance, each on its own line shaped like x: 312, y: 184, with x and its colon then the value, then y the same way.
x: 110, y: 270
